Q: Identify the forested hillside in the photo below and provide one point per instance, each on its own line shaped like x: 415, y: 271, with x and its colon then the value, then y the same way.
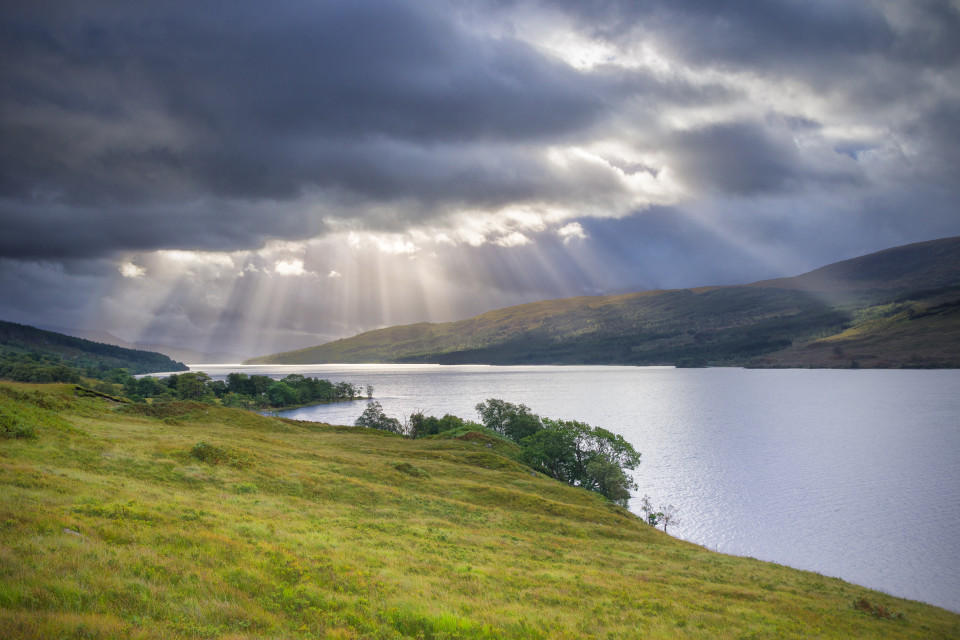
x: 25, y: 347
x: 893, y: 308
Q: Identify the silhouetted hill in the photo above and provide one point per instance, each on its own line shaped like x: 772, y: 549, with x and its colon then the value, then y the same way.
x: 912, y: 267
x: 181, y: 354
x: 80, y: 353
x: 893, y: 308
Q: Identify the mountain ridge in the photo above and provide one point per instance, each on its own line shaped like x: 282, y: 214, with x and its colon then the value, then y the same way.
x: 180, y: 354
x: 884, y: 309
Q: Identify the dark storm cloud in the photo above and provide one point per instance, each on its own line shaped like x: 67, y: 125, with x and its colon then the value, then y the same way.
x: 54, y: 230
x: 747, y: 159
x: 31, y: 290
x: 134, y: 111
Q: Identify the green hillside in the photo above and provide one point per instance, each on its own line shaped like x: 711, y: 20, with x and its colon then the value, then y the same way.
x: 185, y: 520
x: 20, y: 342
x: 785, y: 322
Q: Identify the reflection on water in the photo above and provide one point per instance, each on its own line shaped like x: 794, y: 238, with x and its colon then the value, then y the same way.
x: 847, y: 473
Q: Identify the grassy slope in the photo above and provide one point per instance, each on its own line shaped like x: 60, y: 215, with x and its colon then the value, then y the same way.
x: 716, y: 325
x: 642, y: 328
x: 110, y: 528
x: 921, y: 334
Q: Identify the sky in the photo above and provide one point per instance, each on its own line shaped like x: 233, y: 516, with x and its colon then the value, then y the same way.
x: 255, y: 177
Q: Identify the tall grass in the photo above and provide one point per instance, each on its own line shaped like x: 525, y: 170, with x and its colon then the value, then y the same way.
x: 116, y: 523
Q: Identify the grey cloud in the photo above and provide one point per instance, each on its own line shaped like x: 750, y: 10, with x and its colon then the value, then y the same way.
x: 226, y: 80
x: 185, y: 125
x: 736, y: 158
x: 39, y: 231
x: 744, y: 159
x: 62, y: 294
x: 779, y: 33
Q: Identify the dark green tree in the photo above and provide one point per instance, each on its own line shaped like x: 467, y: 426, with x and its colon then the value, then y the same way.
x: 583, y: 456
x: 191, y: 385
x: 511, y: 420
x: 552, y: 451
x: 373, y: 417
x: 281, y: 394
x: 421, y: 425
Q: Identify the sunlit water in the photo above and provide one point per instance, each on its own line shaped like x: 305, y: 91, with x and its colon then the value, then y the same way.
x: 848, y: 473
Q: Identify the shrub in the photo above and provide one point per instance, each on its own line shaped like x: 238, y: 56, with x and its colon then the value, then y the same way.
x: 214, y: 455
x: 876, y: 610
x: 410, y: 470
x: 12, y: 426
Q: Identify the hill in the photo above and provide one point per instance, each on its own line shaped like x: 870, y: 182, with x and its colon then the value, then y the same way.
x: 180, y: 354
x: 893, y: 308
x: 180, y: 520
x: 53, y: 347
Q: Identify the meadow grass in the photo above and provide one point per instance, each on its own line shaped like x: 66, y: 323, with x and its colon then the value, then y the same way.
x: 195, y: 521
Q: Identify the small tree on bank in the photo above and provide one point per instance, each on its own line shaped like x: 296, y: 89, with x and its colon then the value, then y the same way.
x: 665, y: 516
x: 373, y: 417
x: 668, y: 514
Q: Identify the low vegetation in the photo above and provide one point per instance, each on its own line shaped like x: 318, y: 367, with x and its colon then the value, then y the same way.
x: 123, y: 520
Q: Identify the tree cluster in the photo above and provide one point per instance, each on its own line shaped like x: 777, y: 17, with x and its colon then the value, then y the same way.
x: 33, y: 367
x: 238, y: 390
x: 243, y: 391
x: 570, y: 451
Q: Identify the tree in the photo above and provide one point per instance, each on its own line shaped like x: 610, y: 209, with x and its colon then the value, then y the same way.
x: 280, y: 394
x: 238, y: 383
x: 649, y: 515
x: 668, y: 514
x: 190, y: 386
x: 373, y: 417
x: 583, y: 456
x: 345, y: 390
x: 553, y: 451
x: 237, y: 400
x: 609, y: 480
x: 513, y: 421
x: 664, y: 516
x: 149, y: 387
x: 615, y: 448
x: 422, y: 425
x: 217, y: 387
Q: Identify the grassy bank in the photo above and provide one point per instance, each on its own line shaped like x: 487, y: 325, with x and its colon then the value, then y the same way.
x: 192, y: 520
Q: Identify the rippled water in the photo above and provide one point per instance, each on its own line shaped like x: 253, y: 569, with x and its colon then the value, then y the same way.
x: 848, y: 473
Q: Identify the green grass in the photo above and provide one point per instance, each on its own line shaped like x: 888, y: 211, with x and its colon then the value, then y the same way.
x: 116, y: 523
